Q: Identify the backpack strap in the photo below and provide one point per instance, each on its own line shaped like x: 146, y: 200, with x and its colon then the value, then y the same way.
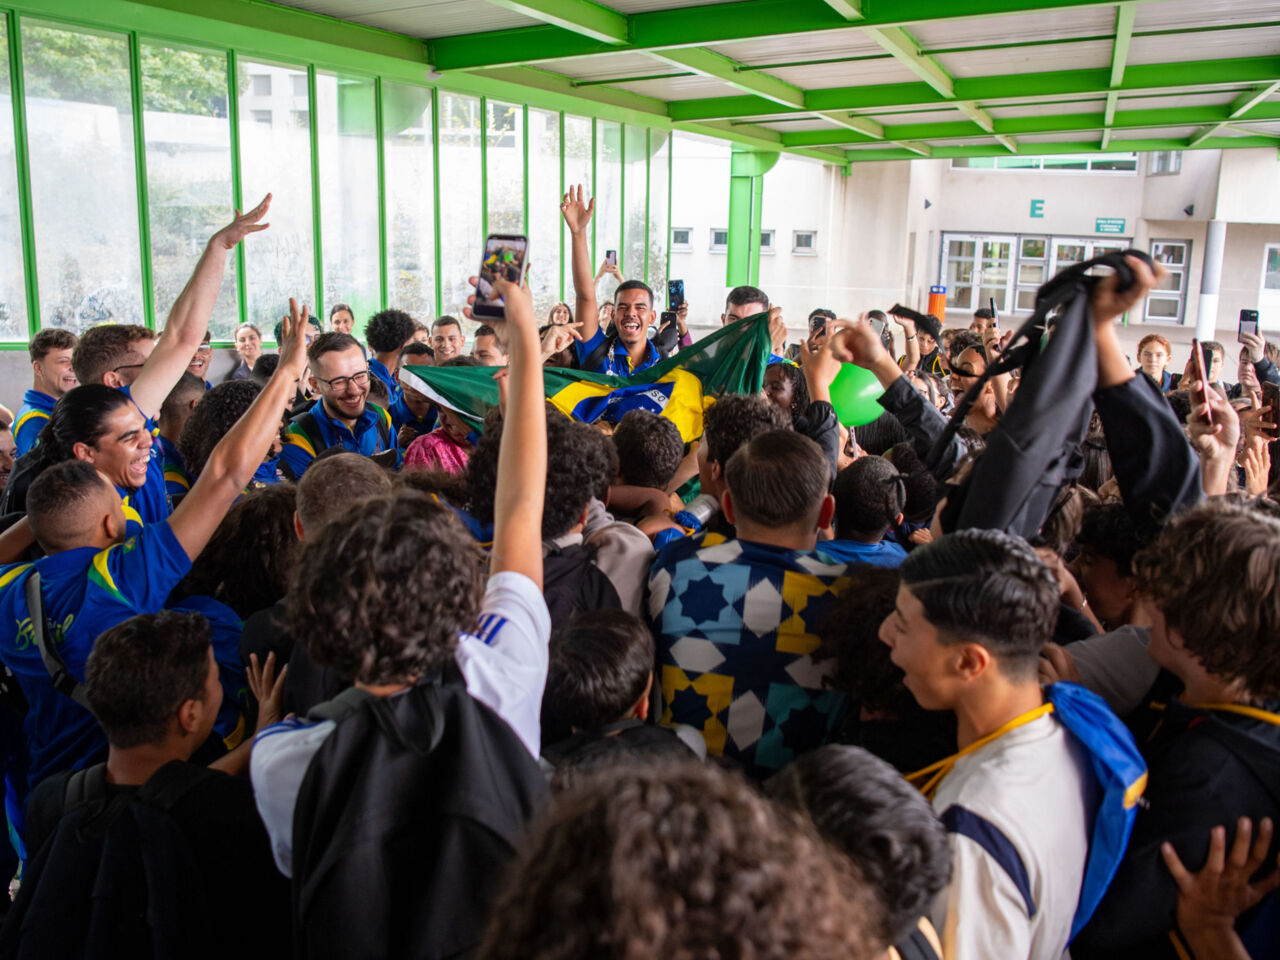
x: 604, y: 349
x: 172, y: 782
x: 62, y: 679
x: 344, y: 704
x: 85, y: 786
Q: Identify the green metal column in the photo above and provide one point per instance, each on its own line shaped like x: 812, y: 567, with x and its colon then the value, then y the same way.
x: 648, y: 198
x: 382, y: 194
x: 435, y: 186
x: 317, y: 247
x: 595, y: 187
x: 140, y: 169
x: 560, y: 262
x: 484, y: 172
x: 24, y: 173
x: 524, y: 126
x: 746, y: 193
x: 237, y: 186
x: 622, y: 195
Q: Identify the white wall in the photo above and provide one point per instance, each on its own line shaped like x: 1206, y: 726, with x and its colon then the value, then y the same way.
x: 1249, y: 190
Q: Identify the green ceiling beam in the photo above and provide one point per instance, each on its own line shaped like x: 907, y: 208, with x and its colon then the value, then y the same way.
x: 849, y: 9
x: 916, y: 149
x: 711, y: 64
x: 1247, y: 101
x: 1056, y: 149
x: 1007, y: 142
x: 865, y: 126
x: 1125, y: 13
x: 714, y: 24
x: 759, y: 138
x: 1058, y: 83
x: 906, y: 51
x: 554, y: 91
x: 578, y: 16
x: 1045, y: 123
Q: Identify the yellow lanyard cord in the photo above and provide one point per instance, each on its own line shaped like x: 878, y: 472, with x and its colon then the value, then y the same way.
x: 936, y: 771
x: 1264, y: 715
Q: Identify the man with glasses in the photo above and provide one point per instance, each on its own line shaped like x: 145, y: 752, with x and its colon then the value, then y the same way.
x: 342, y: 417
x: 199, y: 365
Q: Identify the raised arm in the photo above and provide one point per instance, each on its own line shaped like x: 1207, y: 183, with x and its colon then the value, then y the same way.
x: 577, y: 217
x: 189, y: 318
x: 522, y: 455
x: 233, y: 461
x: 911, y: 357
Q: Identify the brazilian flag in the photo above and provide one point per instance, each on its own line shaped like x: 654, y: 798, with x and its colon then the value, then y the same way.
x: 680, y: 388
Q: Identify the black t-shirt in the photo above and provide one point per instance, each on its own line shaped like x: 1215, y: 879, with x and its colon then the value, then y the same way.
x: 249, y: 897
x: 306, y: 684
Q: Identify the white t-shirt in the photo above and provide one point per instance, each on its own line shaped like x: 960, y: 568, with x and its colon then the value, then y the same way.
x: 1019, y: 812
x: 504, y: 664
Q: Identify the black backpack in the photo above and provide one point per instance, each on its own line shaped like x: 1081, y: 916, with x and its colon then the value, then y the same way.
x: 117, y: 878
x: 406, y: 819
x: 573, y: 584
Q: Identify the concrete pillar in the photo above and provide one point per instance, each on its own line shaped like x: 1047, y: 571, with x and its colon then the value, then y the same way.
x: 1210, y: 278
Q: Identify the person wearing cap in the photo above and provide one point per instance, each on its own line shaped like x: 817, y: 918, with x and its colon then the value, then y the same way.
x: 922, y: 344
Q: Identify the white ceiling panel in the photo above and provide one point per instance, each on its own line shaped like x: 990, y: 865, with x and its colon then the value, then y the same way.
x: 1009, y: 111
x: 1214, y: 98
x: 819, y: 77
x: 419, y: 18
x: 1202, y: 13
x: 1091, y: 21
x: 1065, y: 56
x: 802, y: 124
x: 802, y: 46
x: 680, y: 88
x: 1156, y: 133
x: 645, y: 6
x: 613, y: 65
x: 1214, y: 45
x: 918, y: 116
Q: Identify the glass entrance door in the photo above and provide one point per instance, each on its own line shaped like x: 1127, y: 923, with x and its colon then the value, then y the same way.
x: 978, y: 269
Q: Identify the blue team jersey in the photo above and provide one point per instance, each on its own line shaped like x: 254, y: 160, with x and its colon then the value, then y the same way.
x: 85, y: 592
x: 150, y: 502
x: 176, y: 480
x: 886, y: 553
x: 618, y: 363
x: 32, y: 416
x: 379, y: 370
x: 736, y: 624
x: 366, y: 439
x: 402, y: 416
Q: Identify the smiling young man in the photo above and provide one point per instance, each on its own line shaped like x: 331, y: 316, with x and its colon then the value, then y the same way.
x: 972, y: 613
x: 52, y: 376
x: 342, y: 416
x: 447, y: 339
x: 627, y: 349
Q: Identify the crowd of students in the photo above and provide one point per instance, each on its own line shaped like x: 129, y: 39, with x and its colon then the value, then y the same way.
x: 306, y: 664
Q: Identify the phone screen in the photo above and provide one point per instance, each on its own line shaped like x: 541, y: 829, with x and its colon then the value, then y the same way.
x: 675, y: 294
x: 611, y: 257
x: 505, y: 256
x: 1203, y: 358
x: 1248, y: 324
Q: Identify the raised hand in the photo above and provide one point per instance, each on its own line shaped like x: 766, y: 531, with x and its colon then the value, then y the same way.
x: 559, y: 337
x: 243, y: 225
x: 1109, y: 303
x: 577, y: 214
x: 859, y: 343
x: 1253, y: 347
x: 777, y: 329
x: 293, y: 342
x: 1257, y: 466
x: 267, y: 688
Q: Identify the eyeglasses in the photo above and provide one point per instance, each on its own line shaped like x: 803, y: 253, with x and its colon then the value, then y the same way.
x: 204, y: 348
x: 340, y: 384
x: 127, y: 366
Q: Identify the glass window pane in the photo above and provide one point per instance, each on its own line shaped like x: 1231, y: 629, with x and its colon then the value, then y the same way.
x: 1168, y: 253
x: 1031, y: 273
x: 659, y: 193
x: 1163, y: 308
x: 188, y: 137
x: 505, y: 159
x: 345, y: 120
x: 409, y: 171
x: 1172, y: 280
x: 275, y: 158
x: 577, y: 171
x: 1026, y: 299
x: 636, y: 190
x: 608, y: 196
x: 13, y: 294
x: 1033, y: 248
x: 78, y: 106
x: 1271, y: 269
x: 461, y: 224
x: 544, y: 211
x: 1066, y: 163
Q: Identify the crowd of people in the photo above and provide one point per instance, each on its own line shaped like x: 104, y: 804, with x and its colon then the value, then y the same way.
x: 308, y: 663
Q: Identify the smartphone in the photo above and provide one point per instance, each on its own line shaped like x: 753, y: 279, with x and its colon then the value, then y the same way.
x: 1248, y: 324
x: 668, y: 316
x: 611, y: 257
x: 995, y: 317
x: 506, y: 256
x: 1203, y: 358
x: 878, y: 326
x: 1271, y: 398
x: 675, y: 294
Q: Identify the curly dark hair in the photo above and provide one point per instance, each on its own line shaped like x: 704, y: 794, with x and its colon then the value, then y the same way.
x: 649, y: 449
x: 574, y: 464
x: 247, y: 561
x: 142, y: 670
x: 383, y: 591
x: 962, y: 341
x: 799, y: 389
x: 850, y: 636
x: 105, y: 347
x: 870, y: 493
x: 388, y: 330
x: 1097, y: 462
x: 879, y: 821
x: 215, y: 414
x: 604, y: 459
x: 922, y: 486
x: 1214, y: 572
x: 986, y: 587
x: 1109, y: 531
x: 601, y: 662
x: 735, y: 419
x: 449, y: 486
x: 683, y: 862
x: 881, y: 433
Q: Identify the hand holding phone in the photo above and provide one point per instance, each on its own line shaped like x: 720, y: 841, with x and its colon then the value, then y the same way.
x: 1201, y: 396
x: 611, y: 257
x: 675, y: 294
x: 506, y: 257
x: 1248, y: 324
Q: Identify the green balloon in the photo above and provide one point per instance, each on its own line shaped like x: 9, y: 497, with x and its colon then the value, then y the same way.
x: 854, y: 393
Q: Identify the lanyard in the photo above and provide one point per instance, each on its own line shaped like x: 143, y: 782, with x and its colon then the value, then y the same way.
x: 935, y: 772
x: 1264, y: 715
